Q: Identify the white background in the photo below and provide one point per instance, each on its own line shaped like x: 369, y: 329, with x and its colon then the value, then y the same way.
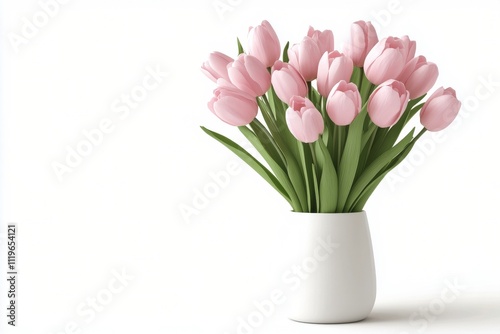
x: 432, y: 222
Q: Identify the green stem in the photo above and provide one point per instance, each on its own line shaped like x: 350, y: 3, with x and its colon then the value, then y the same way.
x: 364, y: 161
x: 357, y: 75
x: 307, y: 177
x: 314, y: 160
x: 322, y: 110
x: 266, y: 101
x: 309, y: 90
x: 420, y: 134
x: 269, y: 138
x: 340, y: 144
x: 366, y: 87
x: 316, y: 175
x: 313, y: 153
x: 412, y: 112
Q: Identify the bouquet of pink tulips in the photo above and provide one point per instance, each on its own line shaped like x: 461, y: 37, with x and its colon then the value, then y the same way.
x: 330, y: 123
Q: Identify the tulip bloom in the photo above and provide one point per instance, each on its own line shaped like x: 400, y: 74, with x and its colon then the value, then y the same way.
x: 333, y: 67
x: 387, y: 103
x: 233, y: 106
x: 386, y: 60
x: 250, y: 75
x: 287, y: 81
x: 304, y: 120
x: 419, y: 76
x: 344, y: 103
x: 410, y: 46
x: 305, y: 58
x: 216, y: 66
x: 324, y: 39
x: 263, y: 43
x: 363, y: 39
x: 440, y: 109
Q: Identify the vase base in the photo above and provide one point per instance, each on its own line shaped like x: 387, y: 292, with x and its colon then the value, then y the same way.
x: 328, y: 322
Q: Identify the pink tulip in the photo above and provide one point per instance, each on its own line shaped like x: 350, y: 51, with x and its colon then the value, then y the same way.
x: 305, y: 58
x: 344, y: 103
x: 419, y: 76
x: 233, y: 106
x: 410, y: 46
x: 386, y: 60
x: 363, y: 39
x: 263, y: 43
x: 324, y: 39
x: 440, y: 109
x: 250, y: 75
x: 287, y: 81
x: 216, y: 66
x: 333, y: 67
x: 304, y: 120
x: 387, y: 103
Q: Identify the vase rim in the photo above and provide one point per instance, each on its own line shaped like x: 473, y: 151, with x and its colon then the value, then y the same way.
x: 330, y: 213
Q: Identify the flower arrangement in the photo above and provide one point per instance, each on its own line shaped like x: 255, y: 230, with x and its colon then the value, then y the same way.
x: 330, y: 123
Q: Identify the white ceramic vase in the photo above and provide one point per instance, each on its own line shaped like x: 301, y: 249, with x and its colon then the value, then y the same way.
x: 337, y: 256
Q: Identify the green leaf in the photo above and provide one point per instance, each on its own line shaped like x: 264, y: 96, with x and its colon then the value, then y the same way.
x: 293, y: 169
x: 285, y: 52
x: 367, y: 192
x: 250, y: 160
x: 377, y: 166
x: 365, y: 152
x: 286, y: 140
x: 268, y: 143
x: 306, y: 160
x: 356, y: 76
x: 297, y: 179
x: 325, y: 136
x: 316, y: 189
x: 366, y: 88
x: 329, y: 134
x: 384, y: 142
x: 365, y: 195
x: 368, y: 134
x: 350, y: 159
x: 240, y: 47
x: 277, y: 169
x: 315, y: 98
x: 328, y: 184
x: 276, y: 103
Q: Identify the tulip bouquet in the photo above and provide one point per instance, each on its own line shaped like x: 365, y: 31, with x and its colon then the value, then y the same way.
x: 330, y: 123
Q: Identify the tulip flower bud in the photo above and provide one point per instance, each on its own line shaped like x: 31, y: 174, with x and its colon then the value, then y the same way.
x: 440, y: 109
x: 386, y: 60
x: 304, y: 120
x: 287, y: 81
x: 410, y: 47
x: 248, y: 74
x: 216, y: 66
x: 305, y: 58
x: 263, y: 43
x: 333, y: 67
x: 344, y: 103
x: 419, y: 76
x: 363, y: 39
x: 324, y: 39
x: 233, y: 106
x: 387, y: 103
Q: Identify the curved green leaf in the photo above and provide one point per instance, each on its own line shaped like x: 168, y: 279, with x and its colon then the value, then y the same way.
x: 328, y: 184
x: 377, y: 166
x: 250, y: 160
x: 285, y: 52
x: 276, y: 168
x: 350, y: 159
